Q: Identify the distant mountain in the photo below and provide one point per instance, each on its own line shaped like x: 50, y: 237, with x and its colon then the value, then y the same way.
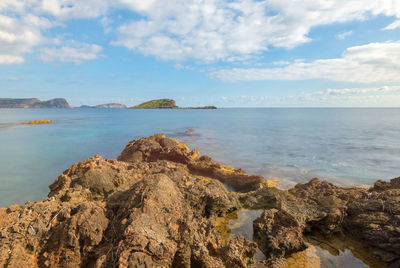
x: 105, y: 106
x: 166, y: 104
x: 33, y: 103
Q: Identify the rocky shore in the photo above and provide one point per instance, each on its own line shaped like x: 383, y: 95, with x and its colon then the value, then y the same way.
x: 160, y: 205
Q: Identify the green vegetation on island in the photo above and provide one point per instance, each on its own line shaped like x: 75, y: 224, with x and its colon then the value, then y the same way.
x: 166, y: 104
x: 33, y: 103
x: 157, y: 104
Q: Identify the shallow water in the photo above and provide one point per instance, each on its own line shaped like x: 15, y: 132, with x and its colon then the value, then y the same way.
x: 335, y: 252
x: 243, y: 225
x: 322, y: 252
x: 345, y: 146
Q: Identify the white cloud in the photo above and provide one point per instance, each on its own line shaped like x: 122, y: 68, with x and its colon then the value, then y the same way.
x: 178, y: 66
x: 344, y: 35
x: 11, y: 59
x: 211, y: 30
x: 205, y: 30
x: 18, y: 36
x: 106, y: 23
x: 65, y: 9
x: 350, y: 91
x: 281, y: 62
x: 73, y: 51
x: 388, y: 96
x: 375, y: 96
x: 375, y: 62
x: 22, y: 24
x: 392, y: 26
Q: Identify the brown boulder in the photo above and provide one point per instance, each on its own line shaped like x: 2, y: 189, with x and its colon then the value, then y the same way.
x: 278, y: 234
x: 156, y: 206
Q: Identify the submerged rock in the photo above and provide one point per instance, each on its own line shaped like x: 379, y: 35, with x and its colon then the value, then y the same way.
x: 162, y: 205
x: 37, y: 122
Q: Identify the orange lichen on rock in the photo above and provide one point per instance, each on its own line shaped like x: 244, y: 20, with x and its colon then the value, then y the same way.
x: 194, y: 154
x: 37, y: 122
x: 227, y: 168
x: 184, y: 147
x: 273, y: 183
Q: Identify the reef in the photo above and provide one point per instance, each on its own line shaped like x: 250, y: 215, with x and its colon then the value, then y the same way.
x: 161, y: 205
x: 37, y: 122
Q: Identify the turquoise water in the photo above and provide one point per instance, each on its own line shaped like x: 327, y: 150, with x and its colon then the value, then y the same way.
x: 345, y: 146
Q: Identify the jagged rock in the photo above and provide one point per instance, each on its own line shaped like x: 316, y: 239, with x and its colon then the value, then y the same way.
x: 371, y: 215
x: 146, y: 211
x: 157, y: 205
x: 278, y: 233
x: 158, y: 147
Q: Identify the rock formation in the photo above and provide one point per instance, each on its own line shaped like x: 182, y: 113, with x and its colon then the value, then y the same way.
x: 157, y: 205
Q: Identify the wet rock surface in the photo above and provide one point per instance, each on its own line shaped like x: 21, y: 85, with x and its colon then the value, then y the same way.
x: 158, y: 205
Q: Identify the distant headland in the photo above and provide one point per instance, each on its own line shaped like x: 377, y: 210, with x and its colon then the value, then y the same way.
x: 62, y: 103
x: 166, y: 104
x: 33, y: 103
x: 106, y: 106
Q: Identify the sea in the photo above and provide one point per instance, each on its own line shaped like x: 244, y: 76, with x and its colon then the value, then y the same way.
x: 348, y: 147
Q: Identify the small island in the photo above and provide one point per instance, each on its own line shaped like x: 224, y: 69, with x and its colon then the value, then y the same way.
x: 33, y: 103
x: 106, y: 106
x: 165, y: 104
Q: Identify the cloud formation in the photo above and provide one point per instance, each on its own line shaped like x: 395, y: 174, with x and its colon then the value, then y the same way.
x: 373, y: 96
x: 375, y: 62
x: 204, y: 30
x: 18, y: 36
x: 344, y: 35
x: 354, y: 91
x: 388, y: 96
x: 73, y: 51
x: 211, y: 30
x: 392, y: 26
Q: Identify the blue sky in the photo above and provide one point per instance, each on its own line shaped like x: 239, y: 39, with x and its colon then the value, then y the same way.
x: 243, y: 53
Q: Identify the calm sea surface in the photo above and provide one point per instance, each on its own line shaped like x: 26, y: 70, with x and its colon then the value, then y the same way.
x: 345, y: 146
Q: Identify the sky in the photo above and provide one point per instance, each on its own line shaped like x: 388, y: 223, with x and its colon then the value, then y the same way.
x: 235, y: 53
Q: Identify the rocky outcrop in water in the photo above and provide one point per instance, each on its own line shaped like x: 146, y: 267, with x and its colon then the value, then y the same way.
x: 157, y: 205
x: 37, y: 122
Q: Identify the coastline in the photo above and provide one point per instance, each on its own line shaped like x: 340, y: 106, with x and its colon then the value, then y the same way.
x: 111, y: 188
